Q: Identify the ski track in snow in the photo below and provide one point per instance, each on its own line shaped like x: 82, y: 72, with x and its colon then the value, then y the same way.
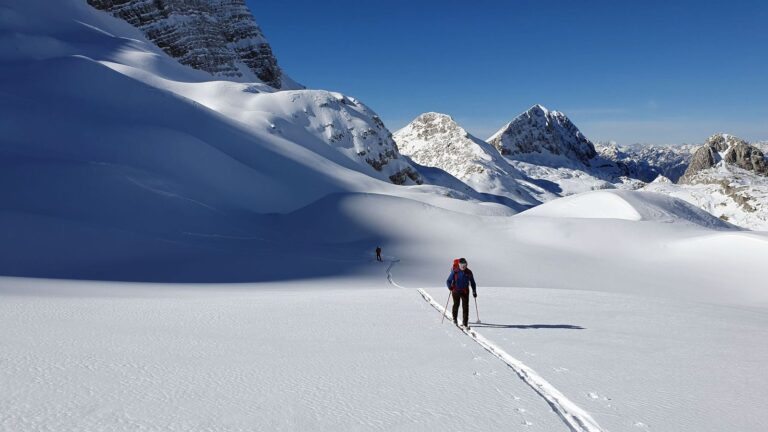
x: 572, y: 415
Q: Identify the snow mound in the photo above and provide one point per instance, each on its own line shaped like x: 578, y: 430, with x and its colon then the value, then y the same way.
x: 627, y: 205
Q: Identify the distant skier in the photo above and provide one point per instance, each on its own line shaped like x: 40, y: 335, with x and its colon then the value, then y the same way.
x: 458, y: 283
x: 378, y: 253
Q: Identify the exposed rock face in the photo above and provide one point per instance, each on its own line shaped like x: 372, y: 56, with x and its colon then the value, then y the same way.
x: 721, y: 142
x: 747, y: 157
x: 216, y: 36
x: 704, y: 158
x: 537, y: 133
x: 727, y: 148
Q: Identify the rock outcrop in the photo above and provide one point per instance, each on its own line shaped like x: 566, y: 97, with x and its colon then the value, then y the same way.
x: 217, y: 36
x: 747, y: 157
x: 730, y: 150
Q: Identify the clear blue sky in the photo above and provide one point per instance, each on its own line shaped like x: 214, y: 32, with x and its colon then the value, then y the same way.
x: 631, y: 71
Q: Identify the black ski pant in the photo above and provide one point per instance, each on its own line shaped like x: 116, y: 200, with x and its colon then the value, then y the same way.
x: 463, y: 297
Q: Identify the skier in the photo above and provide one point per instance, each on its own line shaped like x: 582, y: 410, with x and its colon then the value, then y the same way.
x: 378, y: 253
x: 458, y: 283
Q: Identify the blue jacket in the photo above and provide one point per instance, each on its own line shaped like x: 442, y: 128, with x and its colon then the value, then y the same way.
x: 461, y: 280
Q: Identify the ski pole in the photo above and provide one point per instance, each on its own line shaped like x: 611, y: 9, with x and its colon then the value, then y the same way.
x: 476, y: 311
x: 445, y: 311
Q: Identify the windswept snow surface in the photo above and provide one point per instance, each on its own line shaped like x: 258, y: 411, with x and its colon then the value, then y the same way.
x: 348, y: 351
x: 283, y: 357
x: 644, y: 313
x: 341, y: 354
x: 574, y: 417
x: 636, y: 363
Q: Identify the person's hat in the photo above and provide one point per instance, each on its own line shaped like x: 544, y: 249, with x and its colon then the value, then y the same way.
x: 462, y: 261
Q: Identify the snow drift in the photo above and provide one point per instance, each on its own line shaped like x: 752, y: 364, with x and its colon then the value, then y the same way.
x: 633, y: 206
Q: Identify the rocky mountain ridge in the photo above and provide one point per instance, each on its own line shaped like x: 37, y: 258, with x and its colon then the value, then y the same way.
x: 542, y: 136
x: 538, y: 156
x: 436, y: 140
x: 728, y: 149
x: 220, y: 37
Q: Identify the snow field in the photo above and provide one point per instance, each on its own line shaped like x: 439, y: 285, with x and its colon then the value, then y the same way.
x: 260, y: 357
x: 637, y: 362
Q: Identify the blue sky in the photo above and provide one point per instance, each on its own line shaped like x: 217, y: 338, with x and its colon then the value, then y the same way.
x: 632, y: 71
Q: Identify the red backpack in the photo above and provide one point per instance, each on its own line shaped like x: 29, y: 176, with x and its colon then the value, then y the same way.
x: 455, y: 271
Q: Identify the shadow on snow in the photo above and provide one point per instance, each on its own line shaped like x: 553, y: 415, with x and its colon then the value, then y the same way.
x: 530, y: 326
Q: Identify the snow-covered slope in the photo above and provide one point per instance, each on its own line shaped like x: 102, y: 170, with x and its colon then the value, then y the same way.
x: 733, y: 194
x: 114, y: 168
x: 609, y: 343
x: 337, y: 127
x: 107, y: 156
x: 435, y: 140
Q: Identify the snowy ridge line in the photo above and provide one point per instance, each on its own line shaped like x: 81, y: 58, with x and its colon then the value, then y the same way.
x: 572, y: 415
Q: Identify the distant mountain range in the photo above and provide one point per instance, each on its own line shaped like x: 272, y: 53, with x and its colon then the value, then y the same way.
x: 545, y: 154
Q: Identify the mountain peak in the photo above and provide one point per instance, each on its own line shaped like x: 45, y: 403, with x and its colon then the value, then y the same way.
x: 540, y: 136
x: 538, y: 109
x: 436, y: 140
x: 430, y: 124
x: 723, y: 141
x: 435, y: 117
x: 429, y: 128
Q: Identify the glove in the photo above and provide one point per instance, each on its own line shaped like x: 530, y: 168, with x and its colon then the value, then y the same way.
x: 474, y: 294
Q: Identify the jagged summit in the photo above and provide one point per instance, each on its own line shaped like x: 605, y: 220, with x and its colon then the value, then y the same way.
x: 436, y: 140
x: 538, y: 108
x: 220, y: 37
x: 538, y: 134
x: 728, y: 149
